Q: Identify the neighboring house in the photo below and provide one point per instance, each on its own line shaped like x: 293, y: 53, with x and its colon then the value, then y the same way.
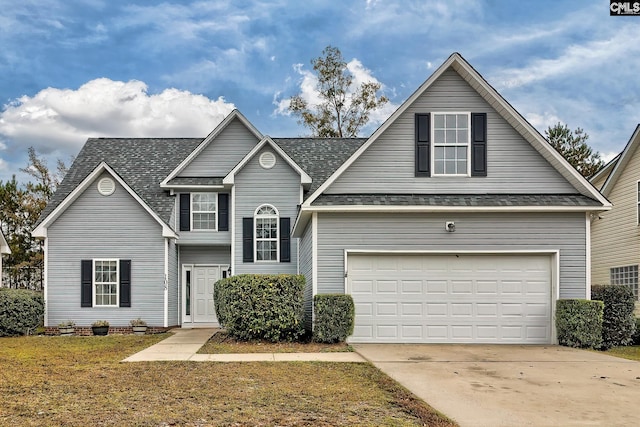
x: 615, y: 235
x: 4, y: 250
x: 454, y: 222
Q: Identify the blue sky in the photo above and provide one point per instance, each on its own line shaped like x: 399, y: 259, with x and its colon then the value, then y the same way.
x: 76, y: 69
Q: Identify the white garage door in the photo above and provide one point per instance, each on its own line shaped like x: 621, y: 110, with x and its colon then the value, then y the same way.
x: 451, y: 298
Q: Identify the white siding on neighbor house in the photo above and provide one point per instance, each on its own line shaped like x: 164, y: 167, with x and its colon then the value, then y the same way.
x: 255, y: 186
x: 474, y: 232
x: 223, y: 153
x: 388, y: 165
x: 306, y: 269
x: 88, y: 230
x: 615, y: 235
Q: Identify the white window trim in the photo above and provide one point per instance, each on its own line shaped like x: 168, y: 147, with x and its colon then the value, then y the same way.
x: 93, y: 282
x: 191, y: 212
x: 255, y: 233
x: 432, y: 145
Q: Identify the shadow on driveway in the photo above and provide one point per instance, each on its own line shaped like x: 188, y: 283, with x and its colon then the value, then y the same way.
x: 510, y: 385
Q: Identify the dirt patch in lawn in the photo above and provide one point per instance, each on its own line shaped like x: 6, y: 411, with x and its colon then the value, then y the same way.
x: 222, y: 343
x: 78, y: 381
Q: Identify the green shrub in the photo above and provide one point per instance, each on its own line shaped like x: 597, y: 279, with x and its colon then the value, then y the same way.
x: 636, y: 335
x: 334, y: 317
x: 21, y: 311
x: 618, y: 324
x: 260, y: 306
x: 579, y: 323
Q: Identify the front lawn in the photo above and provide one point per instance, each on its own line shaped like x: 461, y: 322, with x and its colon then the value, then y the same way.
x: 630, y: 352
x: 79, y: 381
x: 222, y: 343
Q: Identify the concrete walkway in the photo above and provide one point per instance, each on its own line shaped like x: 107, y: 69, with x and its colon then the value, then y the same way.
x: 185, y: 343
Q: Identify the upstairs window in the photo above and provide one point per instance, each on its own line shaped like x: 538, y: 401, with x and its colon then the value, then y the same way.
x: 204, y: 211
x: 266, y: 235
x: 451, y: 143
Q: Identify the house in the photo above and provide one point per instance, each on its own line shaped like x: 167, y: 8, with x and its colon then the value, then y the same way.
x: 615, y: 235
x: 454, y: 222
x: 4, y: 250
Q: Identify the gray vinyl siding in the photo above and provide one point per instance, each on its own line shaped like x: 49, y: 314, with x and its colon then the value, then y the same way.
x: 86, y: 231
x: 173, y: 283
x: 388, y: 165
x: 306, y: 269
x: 255, y: 186
x: 203, y: 237
x: 474, y: 232
x: 223, y: 153
x: 205, y: 255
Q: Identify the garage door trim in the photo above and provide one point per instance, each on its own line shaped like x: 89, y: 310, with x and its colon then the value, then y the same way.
x: 553, y: 253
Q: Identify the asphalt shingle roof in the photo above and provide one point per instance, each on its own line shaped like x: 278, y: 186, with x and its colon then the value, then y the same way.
x: 481, y: 200
x: 196, y: 180
x: 319, y: 157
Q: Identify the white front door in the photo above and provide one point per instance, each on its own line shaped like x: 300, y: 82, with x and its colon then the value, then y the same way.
x: 203, y: 308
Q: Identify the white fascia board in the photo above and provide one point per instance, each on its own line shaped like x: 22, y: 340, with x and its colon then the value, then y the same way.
x: 235, y: 114
x: 305, y: 179
x: 41, y: 230
x: 625, y: 157
x: 519, y: 123
x: 399, y: 209
x: 606, y: 169
x: 196, y: 187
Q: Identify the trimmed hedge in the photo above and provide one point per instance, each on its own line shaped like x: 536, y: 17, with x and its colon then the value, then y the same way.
x: 618, y: 324
x: 261, y: 306
x: 21, y: 311
x: 579, y: 323
x: 334, y: 317
x: 636, y: 335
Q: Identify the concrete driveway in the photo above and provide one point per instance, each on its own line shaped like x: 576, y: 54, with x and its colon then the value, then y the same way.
x: 507, y: 385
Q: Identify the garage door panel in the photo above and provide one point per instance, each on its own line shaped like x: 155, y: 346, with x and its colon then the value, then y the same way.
x: 441, y: 298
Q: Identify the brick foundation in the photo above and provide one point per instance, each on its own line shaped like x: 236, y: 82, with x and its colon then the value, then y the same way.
x: 122, y: 330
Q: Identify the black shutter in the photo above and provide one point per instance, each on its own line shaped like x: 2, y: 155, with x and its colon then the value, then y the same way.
x: 185, y: 212
x: 247, y: 239
x: 125, y: 283
x: 223, y: 212
x: 478, y: 144
x: 423, y: 149
x: 285, y: 239
x: 86, y: 283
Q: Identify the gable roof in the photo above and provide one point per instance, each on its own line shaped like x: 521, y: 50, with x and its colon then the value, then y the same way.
x: 620, y: 162
x: 304, y: 177
x: 40, y: 230
x: 235, y: 114
x: 604, y: 173
x: 141, y: 162
x: 484, y: 89
x: 4, y: 246
x: 319, y: 157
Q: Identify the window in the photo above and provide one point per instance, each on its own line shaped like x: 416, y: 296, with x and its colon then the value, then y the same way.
x: 105, y: 282
x: 266, y: 235
x: 203, y: 211
x: 627, y: 276
x: 451, y: 144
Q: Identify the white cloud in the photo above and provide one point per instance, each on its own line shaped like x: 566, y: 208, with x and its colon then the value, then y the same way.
x: 307, y: 90
x: 62, y: 119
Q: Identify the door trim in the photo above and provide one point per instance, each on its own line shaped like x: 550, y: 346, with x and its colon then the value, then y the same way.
x: 187, y: 320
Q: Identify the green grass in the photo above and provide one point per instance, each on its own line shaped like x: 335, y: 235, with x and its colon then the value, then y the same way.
x: 630, y: 352
x: 79, y: 381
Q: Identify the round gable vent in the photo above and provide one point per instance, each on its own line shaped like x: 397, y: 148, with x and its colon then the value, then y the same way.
x: 267, y: 160
x: 106, y: 186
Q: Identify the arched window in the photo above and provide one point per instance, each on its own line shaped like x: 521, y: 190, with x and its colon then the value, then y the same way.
x: 266, y: 219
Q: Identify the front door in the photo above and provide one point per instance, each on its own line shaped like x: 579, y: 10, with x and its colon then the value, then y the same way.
x: 203, y: 308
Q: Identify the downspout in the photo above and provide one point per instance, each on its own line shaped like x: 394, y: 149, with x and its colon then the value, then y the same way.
x: 166, y: 282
